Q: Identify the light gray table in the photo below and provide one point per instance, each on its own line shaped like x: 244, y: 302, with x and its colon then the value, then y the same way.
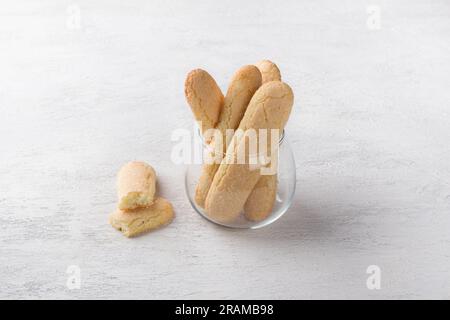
x: 86, y: 86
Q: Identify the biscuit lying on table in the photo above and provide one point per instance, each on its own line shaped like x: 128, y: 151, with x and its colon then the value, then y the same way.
x: 133, y: 223
x: 138, y: 210
x: 136, y: 184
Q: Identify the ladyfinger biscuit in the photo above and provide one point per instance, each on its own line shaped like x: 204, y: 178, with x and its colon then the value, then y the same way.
x: 269, y: 108
x: 260, y: 202
x: 269, y: 71
x: 243, y: 85
x: 262, y: 198
x: 205, y: 98
x: 132, y: 223
x: 136, y: 184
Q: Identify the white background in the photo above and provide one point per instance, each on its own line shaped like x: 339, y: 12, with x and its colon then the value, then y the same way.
x: 370, y: 131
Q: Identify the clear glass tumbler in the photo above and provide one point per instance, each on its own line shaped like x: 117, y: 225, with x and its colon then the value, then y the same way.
x: 285, y: 189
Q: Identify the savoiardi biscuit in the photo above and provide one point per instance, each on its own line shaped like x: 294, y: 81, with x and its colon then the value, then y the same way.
x: 136, y: 184
x: 133, y: 223
x: 261, y: 201
x: 205, y: 98
x: 243, y: 85
x: 269, y: 108
x: 269, y: 71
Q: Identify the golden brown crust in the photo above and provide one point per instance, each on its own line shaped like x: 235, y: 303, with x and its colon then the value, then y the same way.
x: 269, y: 71
x: 133, y: 223
x: 136, y: 184
x: 243, y: 85
x: 260, y: 202
x: 268, y: 109
x: 205, y: 98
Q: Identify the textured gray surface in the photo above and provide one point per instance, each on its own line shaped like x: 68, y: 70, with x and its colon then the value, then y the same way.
x: 370, y: 133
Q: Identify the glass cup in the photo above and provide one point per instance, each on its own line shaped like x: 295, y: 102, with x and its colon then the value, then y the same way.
x: 285, y: 189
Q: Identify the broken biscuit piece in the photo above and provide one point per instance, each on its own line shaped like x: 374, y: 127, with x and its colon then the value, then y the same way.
x: 133, y: 223
x: 136, y: 184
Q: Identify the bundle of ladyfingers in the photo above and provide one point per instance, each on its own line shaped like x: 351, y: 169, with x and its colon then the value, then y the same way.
x: 138, y: 209
x: 256, y: 99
